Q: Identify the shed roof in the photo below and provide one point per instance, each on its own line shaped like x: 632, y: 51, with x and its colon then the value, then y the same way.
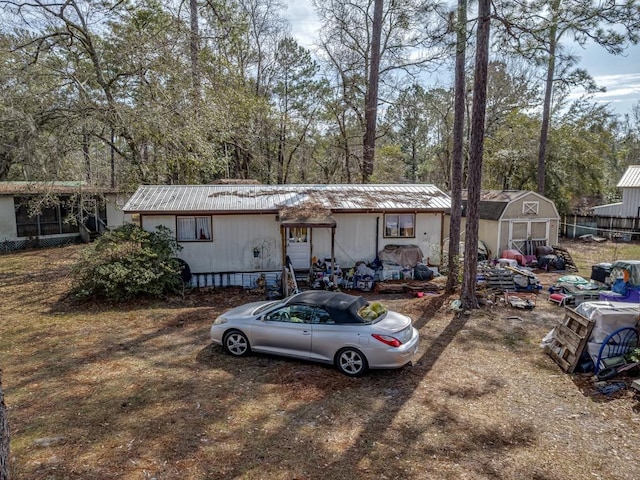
x: 273, y: 198
x: 494, y: 202
x: 631, y: 177
x: 505, y: 196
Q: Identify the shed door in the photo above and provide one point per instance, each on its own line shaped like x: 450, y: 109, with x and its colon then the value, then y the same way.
x: 526, y: 236
x: 298, y: 248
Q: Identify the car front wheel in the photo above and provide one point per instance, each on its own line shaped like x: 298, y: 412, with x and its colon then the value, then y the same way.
x: 351, y: 362
x: 236, y: 343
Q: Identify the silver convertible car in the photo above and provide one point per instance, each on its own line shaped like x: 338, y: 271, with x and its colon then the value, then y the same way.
x: 327, y: 327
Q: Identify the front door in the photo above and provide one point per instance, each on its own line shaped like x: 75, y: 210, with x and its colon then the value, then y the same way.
x: 299, y: 248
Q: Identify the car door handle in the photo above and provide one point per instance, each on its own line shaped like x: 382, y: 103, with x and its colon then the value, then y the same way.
x: 306, y: 332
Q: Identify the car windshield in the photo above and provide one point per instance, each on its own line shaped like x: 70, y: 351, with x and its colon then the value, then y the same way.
x: 263, y: 308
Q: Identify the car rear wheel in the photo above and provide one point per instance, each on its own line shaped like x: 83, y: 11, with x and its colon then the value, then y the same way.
x: 351, y: 362
x: 236, y: 343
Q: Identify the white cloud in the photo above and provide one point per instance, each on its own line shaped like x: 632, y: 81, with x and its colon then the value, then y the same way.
x: 303, y: 20
x: 622, y: 90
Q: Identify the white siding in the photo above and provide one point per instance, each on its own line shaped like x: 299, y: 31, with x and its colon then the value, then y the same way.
x: 7, y: 218
x: 150, y: 222
x: 115, y: 215
x: 236, y: 236
x: 630, y: 201
x: 234, y: 239
x: 356, y: 238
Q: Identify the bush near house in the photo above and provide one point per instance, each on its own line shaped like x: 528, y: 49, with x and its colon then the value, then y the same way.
x: 128, y: 262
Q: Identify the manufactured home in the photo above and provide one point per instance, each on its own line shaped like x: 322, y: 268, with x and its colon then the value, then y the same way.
x: 42, y: 214
x: 231, y: 233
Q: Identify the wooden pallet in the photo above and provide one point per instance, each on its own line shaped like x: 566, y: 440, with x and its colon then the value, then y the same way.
x: 570, y: 339
x: 566, y: 256
x: 500, y: 280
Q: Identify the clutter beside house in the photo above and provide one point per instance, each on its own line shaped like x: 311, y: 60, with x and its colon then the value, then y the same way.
x: 613, y: 282
x: 396, y: 268
x: 573, y: 290
x: 599, y: 338
x: 624, y: 281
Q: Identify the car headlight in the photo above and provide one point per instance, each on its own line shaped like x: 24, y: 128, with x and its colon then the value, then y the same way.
x: 220, y: 321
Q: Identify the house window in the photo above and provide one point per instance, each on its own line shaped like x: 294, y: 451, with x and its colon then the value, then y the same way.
x: 397, y: 226
x: 529, y: 208
x: 194, y: 229
x: 51, y: 220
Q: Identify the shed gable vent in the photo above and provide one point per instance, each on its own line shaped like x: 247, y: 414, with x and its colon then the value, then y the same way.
x: 530, y: 208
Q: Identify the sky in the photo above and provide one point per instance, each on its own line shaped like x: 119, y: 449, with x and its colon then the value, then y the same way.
x: 620, y: 75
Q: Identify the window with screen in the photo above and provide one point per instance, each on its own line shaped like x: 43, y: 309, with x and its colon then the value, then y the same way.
x: 49, y: 220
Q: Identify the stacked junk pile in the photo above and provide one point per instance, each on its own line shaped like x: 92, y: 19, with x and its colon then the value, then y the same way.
x: 598, y: 334
x: 511, y: 277
x: 397, y: 268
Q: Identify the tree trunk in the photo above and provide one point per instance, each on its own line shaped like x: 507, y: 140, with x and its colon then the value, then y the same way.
x: 458, y: 147
x: 194, y: 51
x: 548, y: 92
x: 476, y: 146
x: 4, y: 437
x: 281, y: 151
x: 371, y: 112
x: 113, y: 161
x: 85, y: 155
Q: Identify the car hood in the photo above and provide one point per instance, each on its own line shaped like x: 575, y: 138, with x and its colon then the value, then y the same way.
x: 247, y: 309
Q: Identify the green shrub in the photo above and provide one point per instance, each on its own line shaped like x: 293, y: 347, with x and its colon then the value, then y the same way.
x: 128, y: 262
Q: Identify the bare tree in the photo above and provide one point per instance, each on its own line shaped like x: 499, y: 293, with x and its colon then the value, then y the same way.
x: 349, y: 39
x: 476, y: 146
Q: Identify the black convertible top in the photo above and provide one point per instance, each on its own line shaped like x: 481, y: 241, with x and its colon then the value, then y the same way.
x: 342, y: 307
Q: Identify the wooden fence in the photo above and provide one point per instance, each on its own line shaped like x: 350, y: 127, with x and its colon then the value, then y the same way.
x: 616, y: 228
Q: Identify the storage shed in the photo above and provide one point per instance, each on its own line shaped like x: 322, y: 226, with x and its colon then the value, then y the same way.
x: 514, y: 220
x: 231, y: 233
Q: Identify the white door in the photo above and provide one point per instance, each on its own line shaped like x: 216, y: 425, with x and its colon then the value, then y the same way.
x: 299, y: 248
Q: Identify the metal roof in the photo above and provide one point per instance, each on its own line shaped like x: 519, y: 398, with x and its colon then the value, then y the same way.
x: 631, y: 177
x: 493, y: 203
x: 50, y: 187
x: 273, y: 198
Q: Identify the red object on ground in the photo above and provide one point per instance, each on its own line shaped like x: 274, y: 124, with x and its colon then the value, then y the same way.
x: 514, y: 255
